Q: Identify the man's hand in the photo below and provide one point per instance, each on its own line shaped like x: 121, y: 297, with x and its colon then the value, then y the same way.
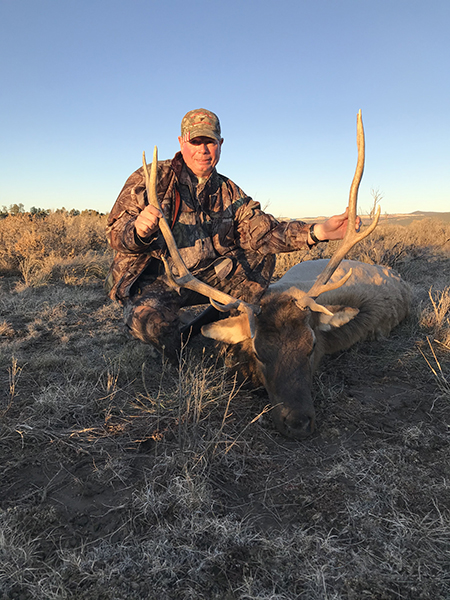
x: 335, y: 227
x: 147, y: 222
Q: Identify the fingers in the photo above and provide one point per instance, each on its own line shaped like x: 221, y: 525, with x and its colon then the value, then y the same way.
x: 147, y: 221
x: 150, y: 209
x: 339, y: 218
x: 344, y: 217
x: 336, y: 226
x: 358, y: 221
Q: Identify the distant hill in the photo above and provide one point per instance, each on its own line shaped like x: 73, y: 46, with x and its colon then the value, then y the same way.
x: 399, y: 219
x: 418, y: 215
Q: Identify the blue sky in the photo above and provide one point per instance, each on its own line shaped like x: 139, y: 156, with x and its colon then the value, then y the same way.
x: 87, y: 85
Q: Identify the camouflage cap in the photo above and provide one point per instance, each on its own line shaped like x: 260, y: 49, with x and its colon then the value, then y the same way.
x: 200, y: 122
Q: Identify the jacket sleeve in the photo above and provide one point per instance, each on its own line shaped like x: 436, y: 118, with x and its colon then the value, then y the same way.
x: 261, y: 232
x: 120, y: 230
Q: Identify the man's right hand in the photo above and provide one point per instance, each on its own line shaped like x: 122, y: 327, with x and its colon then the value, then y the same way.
x: 147, y: 221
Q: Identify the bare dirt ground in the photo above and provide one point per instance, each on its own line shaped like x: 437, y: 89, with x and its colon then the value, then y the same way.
x: 123, y: 478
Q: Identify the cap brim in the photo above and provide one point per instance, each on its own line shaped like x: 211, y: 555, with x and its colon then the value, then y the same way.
x: 205, y: 132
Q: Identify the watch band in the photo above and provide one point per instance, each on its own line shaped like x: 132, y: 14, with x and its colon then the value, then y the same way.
x: 314, y: 238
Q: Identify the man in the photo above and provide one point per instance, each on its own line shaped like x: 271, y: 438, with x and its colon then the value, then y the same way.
x: 223, y: 236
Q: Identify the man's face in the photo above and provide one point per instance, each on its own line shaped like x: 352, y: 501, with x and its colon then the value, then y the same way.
x: 201, y: 154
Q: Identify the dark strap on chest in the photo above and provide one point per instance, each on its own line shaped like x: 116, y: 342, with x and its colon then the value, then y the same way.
x: 177, y: 208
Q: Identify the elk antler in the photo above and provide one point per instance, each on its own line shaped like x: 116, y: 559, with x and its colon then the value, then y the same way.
x: 352, y: 237
x: 220, y: 300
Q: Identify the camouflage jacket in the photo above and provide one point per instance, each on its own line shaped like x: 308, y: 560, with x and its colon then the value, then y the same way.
x: 215, y: 219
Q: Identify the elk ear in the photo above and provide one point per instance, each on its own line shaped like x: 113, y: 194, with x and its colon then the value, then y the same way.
x: 341, y: 316
x: 231, y: 331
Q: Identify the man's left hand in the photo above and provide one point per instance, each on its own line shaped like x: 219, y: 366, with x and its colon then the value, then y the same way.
x: 335, y: 227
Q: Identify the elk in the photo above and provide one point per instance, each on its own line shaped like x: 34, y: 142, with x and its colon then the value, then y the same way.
x: 280, y: 343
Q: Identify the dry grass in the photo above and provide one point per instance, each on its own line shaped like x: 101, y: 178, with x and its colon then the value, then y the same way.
x: 124, y: 478
x: 57, y: 246
x: 396, y: 246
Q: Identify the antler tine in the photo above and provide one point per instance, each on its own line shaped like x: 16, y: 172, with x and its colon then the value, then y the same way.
x: 352, y: 237
x: 150, y: 181
x: 220, y: 300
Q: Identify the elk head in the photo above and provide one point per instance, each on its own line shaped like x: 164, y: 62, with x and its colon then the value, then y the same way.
x: 281, y: 338
x: 282, y: 355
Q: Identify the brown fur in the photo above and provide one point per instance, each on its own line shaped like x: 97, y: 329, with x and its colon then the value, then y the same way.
x: 290, y: 341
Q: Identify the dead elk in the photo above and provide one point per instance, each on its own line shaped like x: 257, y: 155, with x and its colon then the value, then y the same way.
x: 284, y: 339
x: 291, y: 339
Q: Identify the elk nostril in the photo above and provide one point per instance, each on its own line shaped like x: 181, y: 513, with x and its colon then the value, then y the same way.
x: 306, y: 425
x: 302, y: 426
x: 294, y: 423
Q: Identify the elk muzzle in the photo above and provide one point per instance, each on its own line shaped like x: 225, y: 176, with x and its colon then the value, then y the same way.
x: 294, y: 421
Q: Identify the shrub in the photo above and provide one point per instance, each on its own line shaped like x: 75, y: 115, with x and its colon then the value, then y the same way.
x: 39, y: 245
